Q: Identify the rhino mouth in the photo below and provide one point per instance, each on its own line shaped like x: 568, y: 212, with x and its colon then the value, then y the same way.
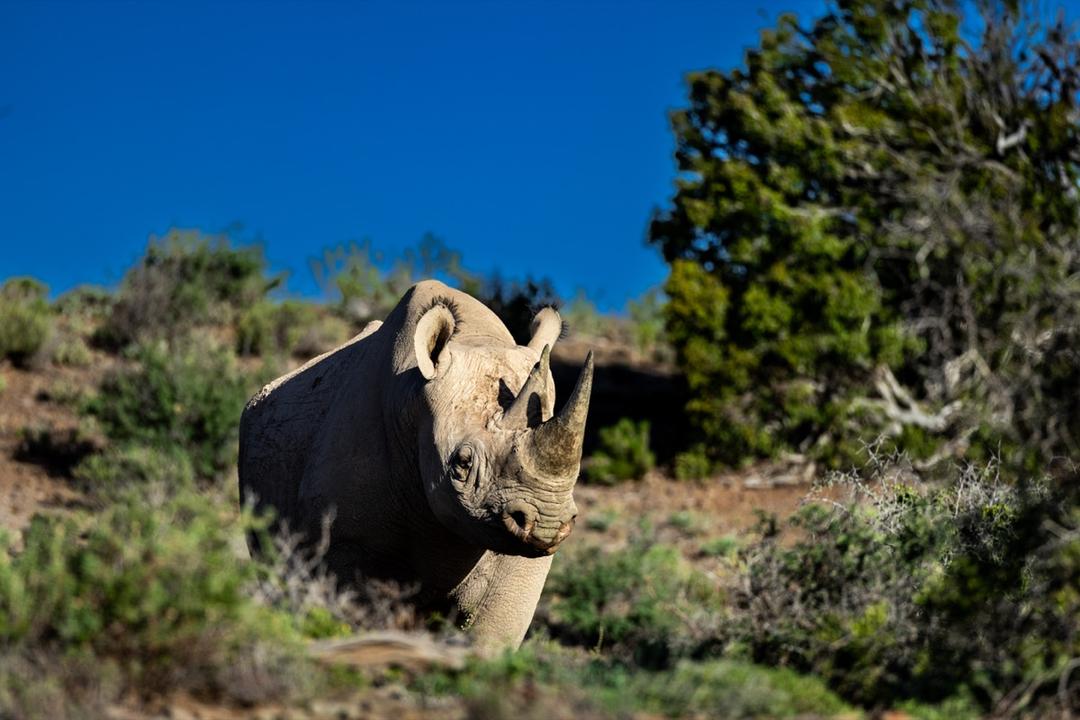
x: 520, y: 519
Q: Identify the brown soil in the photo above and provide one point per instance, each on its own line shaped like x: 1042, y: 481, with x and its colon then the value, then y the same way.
x: 28, y: 402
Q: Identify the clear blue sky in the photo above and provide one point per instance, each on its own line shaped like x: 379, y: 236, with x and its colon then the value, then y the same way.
x: 531, y: 136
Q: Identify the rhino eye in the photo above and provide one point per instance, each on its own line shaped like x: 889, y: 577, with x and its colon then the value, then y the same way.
x: 464, y: 458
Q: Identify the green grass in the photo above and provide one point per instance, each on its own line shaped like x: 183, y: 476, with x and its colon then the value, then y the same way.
x: 546, y: 680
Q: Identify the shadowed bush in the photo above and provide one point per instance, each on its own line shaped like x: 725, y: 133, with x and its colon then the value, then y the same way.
x: 623, y: 454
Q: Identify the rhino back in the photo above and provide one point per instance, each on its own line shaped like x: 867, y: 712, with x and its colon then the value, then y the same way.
x: 282, y: 423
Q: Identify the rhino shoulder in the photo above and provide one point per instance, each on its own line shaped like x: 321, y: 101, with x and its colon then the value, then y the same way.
x: 268, y: 389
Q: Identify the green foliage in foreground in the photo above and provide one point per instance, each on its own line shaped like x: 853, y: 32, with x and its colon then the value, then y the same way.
x: 186, y: 397
x: 623, y: 454
x: 922, y: 592
x: 643, y: 602
x: 151, y: 591
x: 544, y: 680
x: 25, y: 320
x: 877, y: 195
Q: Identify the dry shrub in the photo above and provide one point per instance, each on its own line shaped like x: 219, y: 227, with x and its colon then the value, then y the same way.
x: 295, y: 580
x: 39, y: 684
x: 924, y: 588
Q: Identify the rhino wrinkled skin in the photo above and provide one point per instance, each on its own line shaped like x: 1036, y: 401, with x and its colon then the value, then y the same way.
x: 431, y: 439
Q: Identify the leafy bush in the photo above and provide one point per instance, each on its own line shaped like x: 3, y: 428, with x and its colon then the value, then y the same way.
x: 920, y: 591
x: 291, y: 327
x: 85, y: 300
x: 72, y: 352
x: 79, y: 313
x: 693, y: 464
x: 364, y: 290
x: 25, y: 320
x: 185, y: 279
x: 186, y: 398
x: 268, y: 327
x: 151, y: 587
x: 838, y: 242
x: 642, y: 602
x: 118, y: 467
x: 623, y: 453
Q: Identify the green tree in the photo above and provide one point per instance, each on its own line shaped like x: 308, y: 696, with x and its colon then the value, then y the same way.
x: 874, y: 230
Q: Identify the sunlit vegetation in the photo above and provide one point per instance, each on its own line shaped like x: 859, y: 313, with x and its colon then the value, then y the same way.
x: 874, y: 247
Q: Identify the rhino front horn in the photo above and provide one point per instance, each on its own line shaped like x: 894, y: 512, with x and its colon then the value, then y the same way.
x: 555, y: 446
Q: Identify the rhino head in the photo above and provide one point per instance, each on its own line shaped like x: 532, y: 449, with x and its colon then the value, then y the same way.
x: 498, y: 465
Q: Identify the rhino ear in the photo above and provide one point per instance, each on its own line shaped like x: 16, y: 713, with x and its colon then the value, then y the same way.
x: 546, y: 328
x: 433, y: 331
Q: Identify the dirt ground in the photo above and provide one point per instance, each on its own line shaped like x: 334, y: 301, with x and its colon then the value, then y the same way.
x: 29, y: 401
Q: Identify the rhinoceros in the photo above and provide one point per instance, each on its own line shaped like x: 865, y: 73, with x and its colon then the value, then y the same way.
x: 431, y: 438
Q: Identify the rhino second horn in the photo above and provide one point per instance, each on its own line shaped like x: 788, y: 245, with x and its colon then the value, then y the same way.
x: 555, y: 446
x: 517, y: 415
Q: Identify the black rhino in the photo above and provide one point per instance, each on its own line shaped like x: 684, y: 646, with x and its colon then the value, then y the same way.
x: 432, y: 438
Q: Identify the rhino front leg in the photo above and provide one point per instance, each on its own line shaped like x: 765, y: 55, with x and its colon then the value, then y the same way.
x: 499, y: 599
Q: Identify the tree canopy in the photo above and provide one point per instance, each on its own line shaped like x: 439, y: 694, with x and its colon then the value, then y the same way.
x: 875, y: 230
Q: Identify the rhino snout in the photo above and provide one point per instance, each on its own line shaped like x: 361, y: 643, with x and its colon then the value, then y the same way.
x: 522, y: 520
